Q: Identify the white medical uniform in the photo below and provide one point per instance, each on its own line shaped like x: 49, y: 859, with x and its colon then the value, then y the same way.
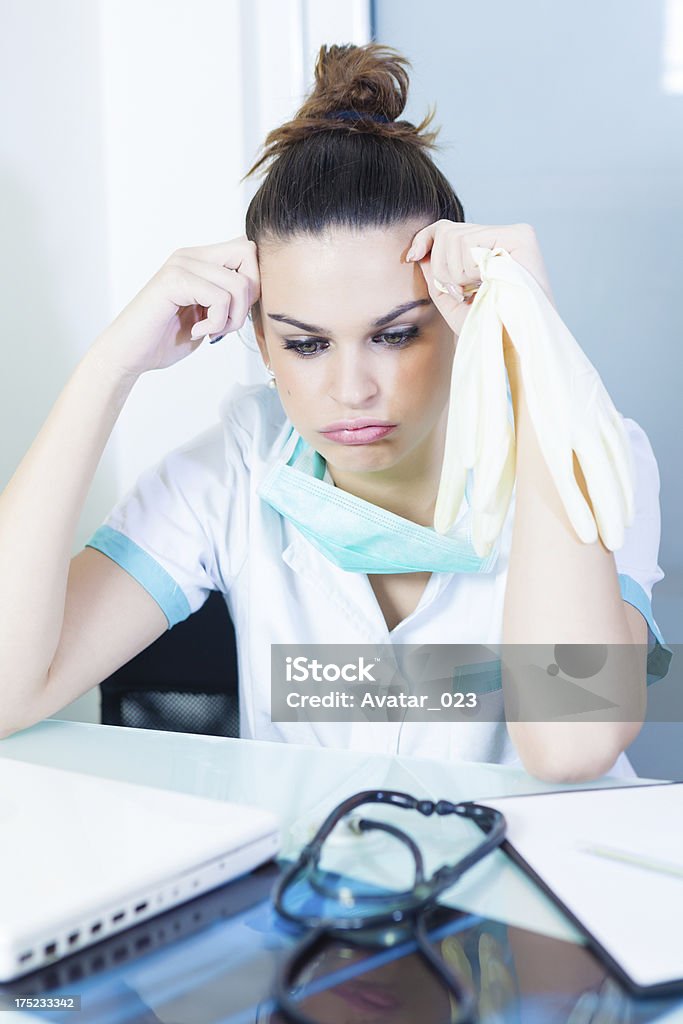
x: 194, y: 523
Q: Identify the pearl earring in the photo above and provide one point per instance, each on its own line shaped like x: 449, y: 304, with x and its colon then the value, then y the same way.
x: 272, y: 383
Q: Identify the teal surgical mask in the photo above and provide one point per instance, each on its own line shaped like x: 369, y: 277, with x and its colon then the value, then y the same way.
x: 355, y: 534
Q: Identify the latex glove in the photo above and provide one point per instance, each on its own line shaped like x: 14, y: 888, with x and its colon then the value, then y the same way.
x: 568, y: 404
x: 479, y: 434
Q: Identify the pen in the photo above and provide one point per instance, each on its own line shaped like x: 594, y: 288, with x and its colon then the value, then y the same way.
x: 649, y: 863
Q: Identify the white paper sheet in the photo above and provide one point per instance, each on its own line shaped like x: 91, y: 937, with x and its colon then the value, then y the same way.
x: 635, y: 913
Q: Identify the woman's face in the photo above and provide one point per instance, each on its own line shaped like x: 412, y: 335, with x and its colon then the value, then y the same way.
x: 350, y: 333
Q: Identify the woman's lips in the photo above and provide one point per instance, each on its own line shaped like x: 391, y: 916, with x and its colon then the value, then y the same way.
x: 359, y: 435
x: 367, y: 997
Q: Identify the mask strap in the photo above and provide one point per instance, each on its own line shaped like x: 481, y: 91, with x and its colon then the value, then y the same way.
x: 318, y: 464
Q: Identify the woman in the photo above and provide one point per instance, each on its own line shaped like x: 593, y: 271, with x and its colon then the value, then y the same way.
x: 358, y: 338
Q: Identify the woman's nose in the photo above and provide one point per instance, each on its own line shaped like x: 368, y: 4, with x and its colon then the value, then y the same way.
x: 353, y: 380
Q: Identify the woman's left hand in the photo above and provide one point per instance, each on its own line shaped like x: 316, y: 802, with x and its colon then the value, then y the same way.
x: 563, y: 401
x: 443, y: 252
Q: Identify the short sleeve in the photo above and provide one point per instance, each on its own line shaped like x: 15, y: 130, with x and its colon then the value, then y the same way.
x: 636, y: 559
x: 171, y: 530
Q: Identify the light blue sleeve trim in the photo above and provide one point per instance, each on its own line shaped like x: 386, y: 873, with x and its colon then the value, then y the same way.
x: 485, y: 677
x: 142, y: 567
x: 659, y: 655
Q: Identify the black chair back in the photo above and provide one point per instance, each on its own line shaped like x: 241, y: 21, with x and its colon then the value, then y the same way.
x: 186, y: 681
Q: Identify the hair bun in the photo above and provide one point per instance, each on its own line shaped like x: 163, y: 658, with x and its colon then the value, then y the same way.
x: 368, y: 79
x: 367, y: 85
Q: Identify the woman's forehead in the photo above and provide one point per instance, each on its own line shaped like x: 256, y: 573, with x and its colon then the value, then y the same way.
x: 338, y: 244
x: 338, y: 261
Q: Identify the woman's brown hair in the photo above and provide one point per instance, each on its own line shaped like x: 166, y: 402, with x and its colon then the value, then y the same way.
x: 345, y: 159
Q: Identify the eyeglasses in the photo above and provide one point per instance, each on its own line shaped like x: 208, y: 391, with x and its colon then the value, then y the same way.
x: 361, y: 915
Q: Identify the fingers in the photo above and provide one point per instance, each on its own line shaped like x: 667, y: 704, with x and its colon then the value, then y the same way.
x: 549, y: 403
x: 494, y: 471
x: 453, y: 472
x: 603, y: 489
x: 495, y: 468
x: 451, y: 491
x: 183, y: 288
x: 449, y: 244
x: 462, y: 432
x: 238, y: 254
x: 488, y: 522
x: 230, y: 293
x: 451, y: 295
x: 229, y: 280
x: 422, y: 243
x: 424, y: 239
x: 576, y: 506
x: 618, y: 447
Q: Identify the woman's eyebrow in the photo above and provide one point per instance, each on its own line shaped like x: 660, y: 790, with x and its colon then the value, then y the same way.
x: 380, y: 322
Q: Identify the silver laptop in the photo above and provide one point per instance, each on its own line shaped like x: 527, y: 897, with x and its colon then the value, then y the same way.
x: 82, y: 857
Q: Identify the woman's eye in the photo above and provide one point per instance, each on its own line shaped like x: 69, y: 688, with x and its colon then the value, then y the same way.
x: 393, y: 339
x: 397, y: 338
x: 303, y: 348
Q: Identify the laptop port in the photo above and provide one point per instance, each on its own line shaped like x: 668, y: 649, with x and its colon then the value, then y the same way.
x: 73, y: 938
x: 50, y: 948
x: 140, y: 907
x: 96, y: 927
x: 120, y: 916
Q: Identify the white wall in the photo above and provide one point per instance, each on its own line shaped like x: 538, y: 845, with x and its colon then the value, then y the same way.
x: 128, y: 124
x: 569, y: 116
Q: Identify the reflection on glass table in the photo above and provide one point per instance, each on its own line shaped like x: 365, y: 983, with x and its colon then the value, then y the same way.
x: 214, y: 960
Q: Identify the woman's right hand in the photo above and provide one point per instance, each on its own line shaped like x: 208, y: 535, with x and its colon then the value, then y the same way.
x: 207, y: 289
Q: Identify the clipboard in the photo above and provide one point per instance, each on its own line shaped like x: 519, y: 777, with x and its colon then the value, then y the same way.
x: 630, y: 915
